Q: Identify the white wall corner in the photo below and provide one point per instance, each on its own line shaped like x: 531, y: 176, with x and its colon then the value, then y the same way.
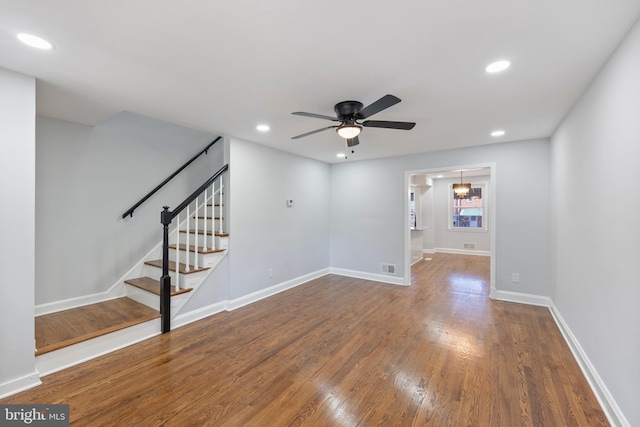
x: 20, y: 384
x: 392, y: 280
x: 607, y: 402
x: 275, y: 289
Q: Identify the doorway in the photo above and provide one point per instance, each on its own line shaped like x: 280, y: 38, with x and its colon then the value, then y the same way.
x: 436, y: 220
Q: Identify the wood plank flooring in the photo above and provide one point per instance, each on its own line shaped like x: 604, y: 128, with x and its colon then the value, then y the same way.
x: 65, y: 328
x: 344, y: 352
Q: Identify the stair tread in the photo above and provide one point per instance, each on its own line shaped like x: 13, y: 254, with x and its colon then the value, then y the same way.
x: 65, y: 328
x: 209, y: 233
x: 172, y: 266
x: 152, y: 285
x: 192, y: 248
x: 208, y: 217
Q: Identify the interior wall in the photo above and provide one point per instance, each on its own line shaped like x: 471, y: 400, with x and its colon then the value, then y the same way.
x: 17, y: 228
x: 446, y: 238
x: 368, y: 199
x: 88, y: 177
x: 265, y: 233
x: 595, y: 152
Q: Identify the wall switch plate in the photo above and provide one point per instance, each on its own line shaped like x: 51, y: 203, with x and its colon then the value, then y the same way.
x: 270, y: 272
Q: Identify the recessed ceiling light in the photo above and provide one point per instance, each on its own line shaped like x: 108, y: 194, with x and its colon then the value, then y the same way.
x: 34, y: 41
x: 263, y: 128
x: 497, y: 66
x: 440, y: 176
x: 497, y: 133
x: 341, y: 155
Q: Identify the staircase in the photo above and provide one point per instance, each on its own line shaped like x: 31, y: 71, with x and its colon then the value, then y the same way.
x: 199, y: 250
x: 180, y: 264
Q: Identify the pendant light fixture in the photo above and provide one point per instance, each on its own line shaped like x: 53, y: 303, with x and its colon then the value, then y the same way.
x: 461, y: 190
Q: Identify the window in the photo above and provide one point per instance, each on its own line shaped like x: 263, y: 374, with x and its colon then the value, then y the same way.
x: 468, y: 212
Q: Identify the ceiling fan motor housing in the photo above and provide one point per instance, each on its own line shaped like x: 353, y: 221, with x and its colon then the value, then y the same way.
x: 347, y: 109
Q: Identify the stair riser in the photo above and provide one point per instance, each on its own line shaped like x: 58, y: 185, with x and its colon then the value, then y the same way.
x: 211, y: 209
x: 186, y: 280
x: 153, y: 300
x: 204, y: 260
x: 198, y: 240
x: 212, y: 243
x: 202, y: 221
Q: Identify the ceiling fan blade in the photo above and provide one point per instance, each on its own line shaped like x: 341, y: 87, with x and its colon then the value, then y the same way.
x: 353, y: 142
x: 312, y: 132
x: 388, y: 125
x: 381, y: 104
x: 317, y: 116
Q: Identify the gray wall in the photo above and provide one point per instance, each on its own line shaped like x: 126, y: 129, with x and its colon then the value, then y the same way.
x: 265, y: 233
x: 87, y: 177
x: 17, y: 230
x: 368, y: 199
x: 595, y: 154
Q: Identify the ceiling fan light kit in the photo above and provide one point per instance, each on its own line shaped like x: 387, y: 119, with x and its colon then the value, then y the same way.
x: 348, y: 131
x: 349, y: 114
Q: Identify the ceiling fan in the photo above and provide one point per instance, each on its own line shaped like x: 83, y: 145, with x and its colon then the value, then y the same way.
x: 349, y: 114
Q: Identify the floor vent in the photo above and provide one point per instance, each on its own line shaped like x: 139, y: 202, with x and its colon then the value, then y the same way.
x: 388, y: 268
x: 469, y: 245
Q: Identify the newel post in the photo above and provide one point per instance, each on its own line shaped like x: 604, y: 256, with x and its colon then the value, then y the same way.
x: 165, y: 280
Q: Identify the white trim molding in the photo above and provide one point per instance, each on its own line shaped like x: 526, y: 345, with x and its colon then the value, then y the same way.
x: 19, y: 384
x: 66, y: 357
x: 392, y: 280
x: 521, y: 298
x: 283, y: 286
x: 199, y: 314
x: 460, y: 251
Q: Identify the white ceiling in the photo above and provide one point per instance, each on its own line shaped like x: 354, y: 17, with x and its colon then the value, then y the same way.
x: 226, y: 66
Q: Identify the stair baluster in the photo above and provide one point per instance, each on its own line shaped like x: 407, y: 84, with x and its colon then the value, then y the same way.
x: 195, y: 236
x: 220, y: 202
x: 204, y: 246
x: 177, y: 286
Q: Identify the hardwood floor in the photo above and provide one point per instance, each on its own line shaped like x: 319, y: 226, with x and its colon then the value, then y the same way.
x: 344, y: 352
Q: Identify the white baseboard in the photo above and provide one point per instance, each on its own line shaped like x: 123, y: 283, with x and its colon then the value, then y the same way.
x: 265, y: 293
x: 19, y: 384
x: 68, y: 304
x: 521, y: 298
x: 460, y: 251
x: 66, y: 357
x: 607, y: 402
x: 199, y: 314
x: 393, y: 280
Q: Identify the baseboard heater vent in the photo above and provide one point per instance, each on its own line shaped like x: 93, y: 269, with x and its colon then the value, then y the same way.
x: 388, y: 268
x: 468, y: 245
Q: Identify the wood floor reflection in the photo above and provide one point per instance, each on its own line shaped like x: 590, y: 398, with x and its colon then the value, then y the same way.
x: 344, y: 352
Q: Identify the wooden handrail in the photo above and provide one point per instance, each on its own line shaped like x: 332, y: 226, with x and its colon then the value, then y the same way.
x: 180, y: 169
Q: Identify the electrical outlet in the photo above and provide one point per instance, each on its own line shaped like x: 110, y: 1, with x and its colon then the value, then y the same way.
x: 270, y: 272
x: 515, y: 277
